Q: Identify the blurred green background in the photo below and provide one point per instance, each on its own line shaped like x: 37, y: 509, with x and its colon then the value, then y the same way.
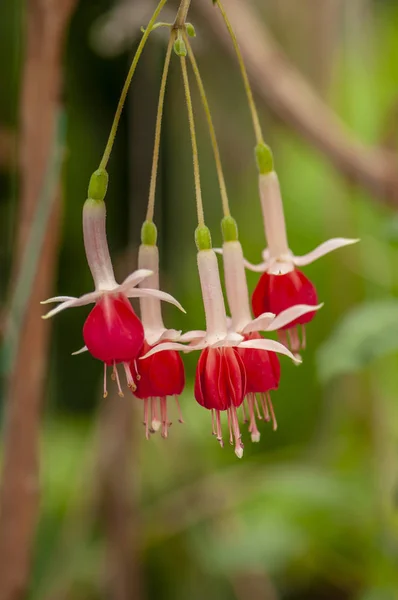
x: 310, y: 513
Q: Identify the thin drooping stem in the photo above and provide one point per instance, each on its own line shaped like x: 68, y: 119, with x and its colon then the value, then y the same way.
x: 158, y: 130
x: 123, y: 96
x: 213, y: 137
x: 255, y: 118
x: 195, y: 157
x: 182, y: 13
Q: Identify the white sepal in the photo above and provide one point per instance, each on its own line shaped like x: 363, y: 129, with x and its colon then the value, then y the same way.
x: 81, y: 351
x: 261, y: 323
x: 146, y: 292
x: 82, y: 301
x: 291, y: 314
x: 270, y: 346
x: 325, y: 248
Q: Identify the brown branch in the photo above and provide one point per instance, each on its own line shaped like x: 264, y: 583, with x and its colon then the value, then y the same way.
x: 290, y: 96
x: 19, y: 501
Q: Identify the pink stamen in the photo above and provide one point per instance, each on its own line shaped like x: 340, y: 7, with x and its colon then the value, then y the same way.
x: 163, y: 416
x: 213, y: 423
x: 259, y: 415
x: 234, y: 429
x: 264, y: 405
x: 231, y: 437
x: 244, y: 413
x: 129, y: 377
x: 271, y: 408
x: 116, y: 378
x: 253, y: 430
x: 146, y: 418
x: 303, y: 337
x: 105, y: 388
x: 137, y: 375
x: 180, y: 419
x: 219, y: 431
x: 155, y: 423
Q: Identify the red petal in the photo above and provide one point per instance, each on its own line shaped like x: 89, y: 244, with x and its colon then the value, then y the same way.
x: 263, y: 370
x: 112, y: 331
x: 162, y: 374
x: 276, y: 293
x: 220, y: 379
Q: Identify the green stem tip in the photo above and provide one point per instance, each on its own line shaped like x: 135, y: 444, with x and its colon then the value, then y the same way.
x: 229, y: 229
x: 203, y: 238
x: 149, y: 233
x: 98, y: 184
x: 264, y: 159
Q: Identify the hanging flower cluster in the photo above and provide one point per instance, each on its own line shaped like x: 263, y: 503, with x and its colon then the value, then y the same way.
x: 237, y: 367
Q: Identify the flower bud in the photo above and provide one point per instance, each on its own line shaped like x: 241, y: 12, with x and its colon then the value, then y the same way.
x: 203, y: 238
x: 264, y: 159
x: 229, y: 229
x: 98, y: 185
x: 179, y: 47
x: 190, y: 29
x: 149, y: 233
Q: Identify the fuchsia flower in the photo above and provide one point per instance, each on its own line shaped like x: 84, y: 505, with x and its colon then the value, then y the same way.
x: 112, y: 332
x: 162, y: 374
x: 282, y: 285
x: 220, y: 383
x: 262, y: 367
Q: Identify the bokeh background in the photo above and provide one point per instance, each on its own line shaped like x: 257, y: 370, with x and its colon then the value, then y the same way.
x: 309, y: 513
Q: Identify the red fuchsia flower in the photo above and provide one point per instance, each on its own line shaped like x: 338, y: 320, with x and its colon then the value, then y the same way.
x: 220, y: 382
x: 162, y: 374
x: 112, y: 331
x: 282, y: 285
x: 262, y: 366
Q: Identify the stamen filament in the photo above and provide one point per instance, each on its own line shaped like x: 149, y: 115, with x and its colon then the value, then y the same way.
x: 213, y: 137
x: 195, y: 157
x: 123, y: 95
x: 158, y: 129
x: 255, y: 118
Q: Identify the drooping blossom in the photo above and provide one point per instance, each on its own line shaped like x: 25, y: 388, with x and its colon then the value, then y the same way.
x: 160, y: 375
x: 112, y: 331
x: 262, y: 367
x: 282, y: 285
x: 220, y: 382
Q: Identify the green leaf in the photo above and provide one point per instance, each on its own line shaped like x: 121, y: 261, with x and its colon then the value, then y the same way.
x: 368, y: 332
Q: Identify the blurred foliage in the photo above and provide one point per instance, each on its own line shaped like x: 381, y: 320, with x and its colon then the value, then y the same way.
x: 312, y: 508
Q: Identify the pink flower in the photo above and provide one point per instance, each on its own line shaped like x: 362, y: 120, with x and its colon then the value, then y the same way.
x: 220, y: 384
x: 282, y: 285
x: 262, y: 366
x: 160, y: 375
x: 112, y: 331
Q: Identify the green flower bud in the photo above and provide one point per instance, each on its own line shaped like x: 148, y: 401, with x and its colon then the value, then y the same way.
x: 98, y: 184
x: 203, y: 238
x: 149, y: 233
x: 179, y: 47
x: 229, y: 229
x: 190, y: 29
x: 264, y: 159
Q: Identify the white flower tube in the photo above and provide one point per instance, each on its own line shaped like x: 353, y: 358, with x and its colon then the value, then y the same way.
x: 96, y: 245
x: 273, y: 215
x: 236, y: 284
x: 213, y: 299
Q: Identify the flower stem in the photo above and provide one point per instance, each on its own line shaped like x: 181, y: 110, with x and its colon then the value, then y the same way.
x: 214, y: 143
x: 249, y: 93
x: 112, y: 135
x: 158, y: 129
x: 198, y: 191
x: 182, y: 14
